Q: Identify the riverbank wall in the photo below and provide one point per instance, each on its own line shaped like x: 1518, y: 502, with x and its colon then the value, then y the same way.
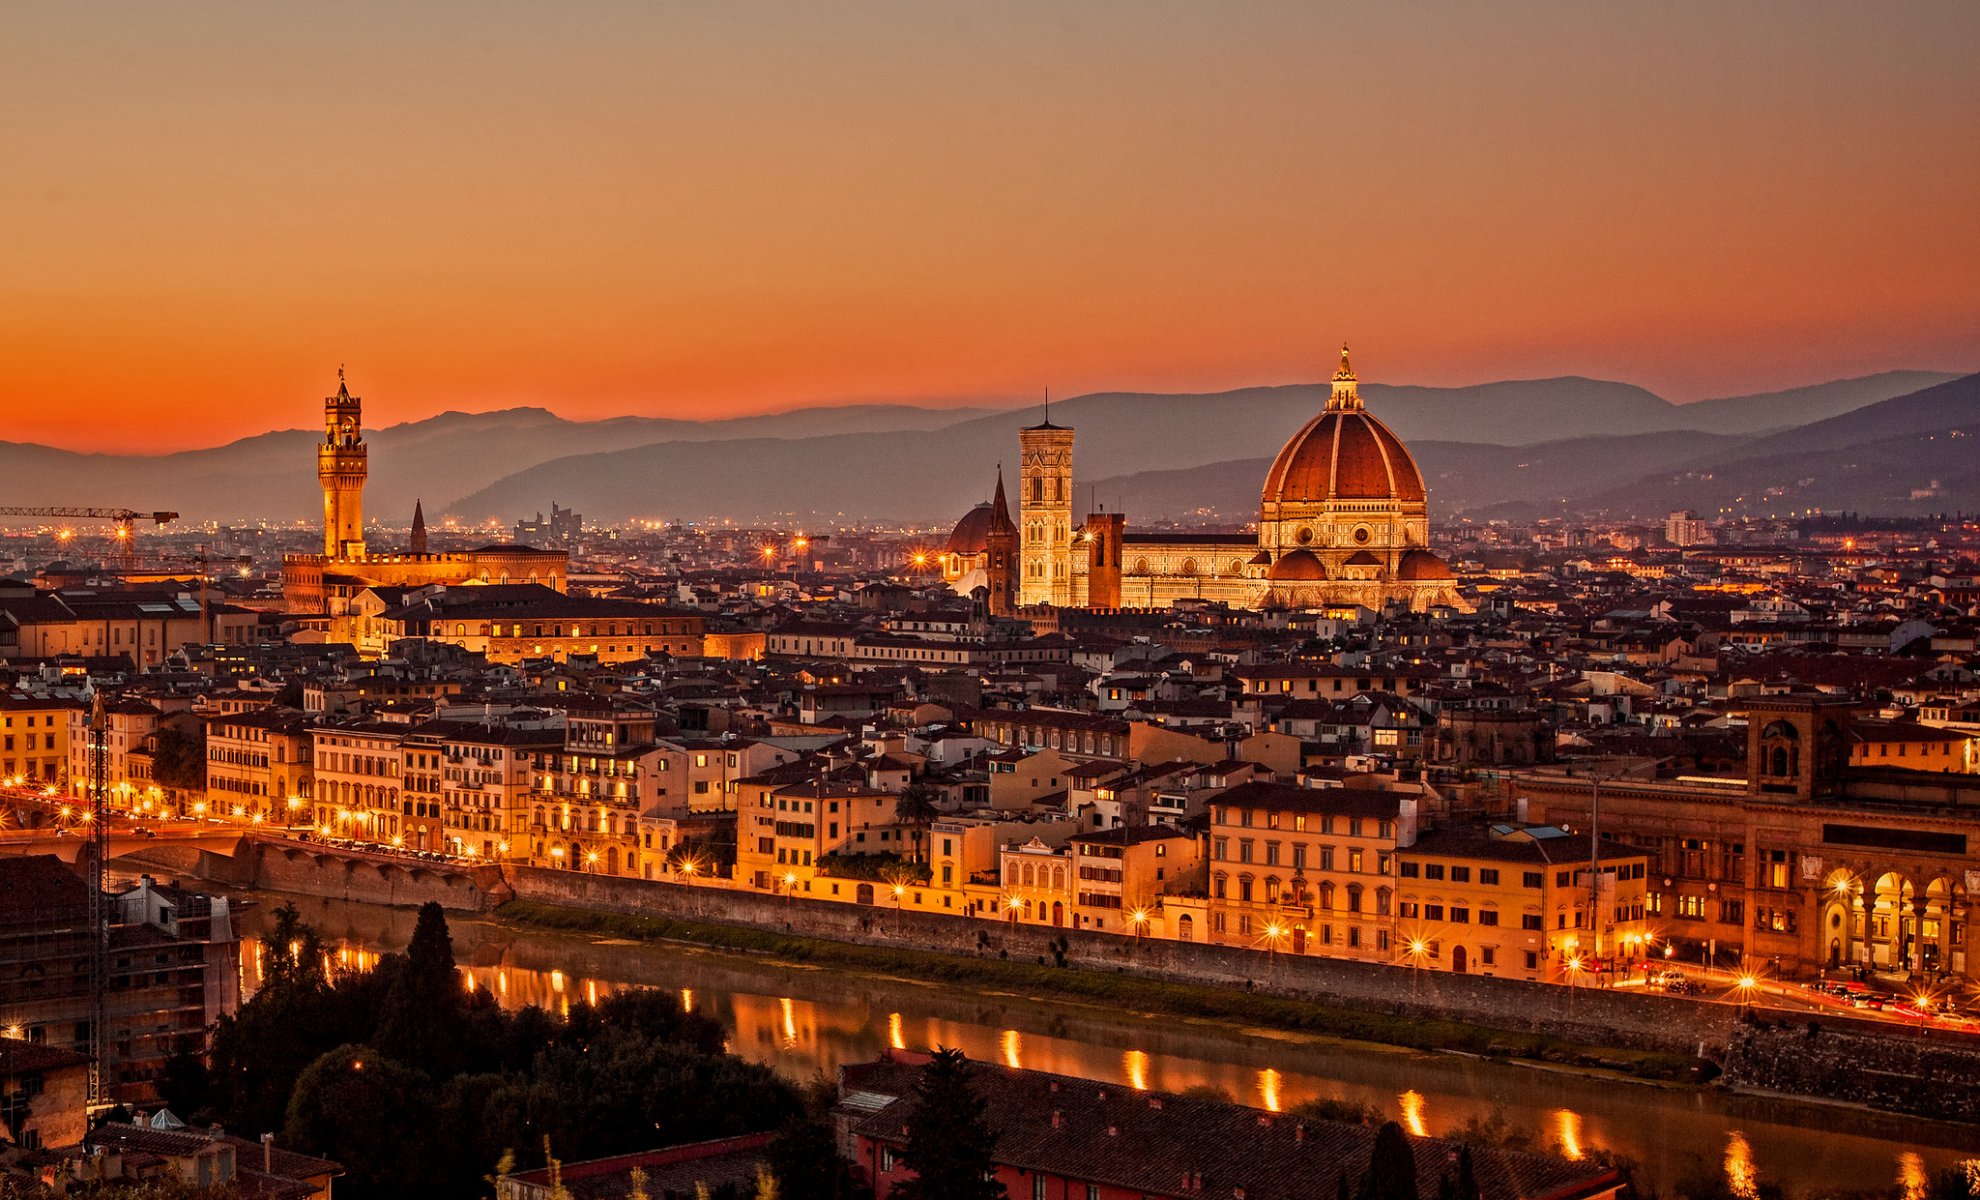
x: 332, y: 874
x: 1847, y: 1059
x: 1588, y: 1015
x: 1925, y: 1076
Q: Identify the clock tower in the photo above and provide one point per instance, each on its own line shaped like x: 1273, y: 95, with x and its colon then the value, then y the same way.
x: 340, y: 467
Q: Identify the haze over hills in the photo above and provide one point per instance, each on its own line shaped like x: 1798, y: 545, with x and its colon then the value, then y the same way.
x: 1909, y: 455
x: 1533, y: 445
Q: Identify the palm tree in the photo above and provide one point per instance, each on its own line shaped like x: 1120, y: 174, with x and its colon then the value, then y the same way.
x: 916, y: 809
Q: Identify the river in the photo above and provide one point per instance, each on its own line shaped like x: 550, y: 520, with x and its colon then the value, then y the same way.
x: 802, y: 1021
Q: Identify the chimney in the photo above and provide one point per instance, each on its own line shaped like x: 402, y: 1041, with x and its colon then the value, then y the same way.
x: 1113, y: 1131
x: 1055, y: 1085
x: 1299, y: 1132
x: 1058, y: 1119
x: 268, y: 1153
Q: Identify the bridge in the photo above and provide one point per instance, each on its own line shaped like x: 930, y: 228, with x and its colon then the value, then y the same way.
x: 244, y: 859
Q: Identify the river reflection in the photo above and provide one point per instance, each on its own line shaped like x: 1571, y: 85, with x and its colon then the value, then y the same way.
x: 802, y: 1021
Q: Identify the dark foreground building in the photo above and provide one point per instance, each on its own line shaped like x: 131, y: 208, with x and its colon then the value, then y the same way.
x: 1061, y: 1138
x: 173, y: 969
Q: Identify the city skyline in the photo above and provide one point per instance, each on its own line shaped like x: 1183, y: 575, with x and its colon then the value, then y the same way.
x: 701, y: 214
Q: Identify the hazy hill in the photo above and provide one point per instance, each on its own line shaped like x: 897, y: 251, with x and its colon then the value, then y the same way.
x: 928, y: 464
x: 1873, y: 459
x: 273, y: 475
x: 1799, y: 406
x: 1912, y: 455
x: 1461, y: 476
x: 931, y: 475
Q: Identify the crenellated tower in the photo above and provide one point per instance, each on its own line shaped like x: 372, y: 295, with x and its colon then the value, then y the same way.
x: 341, y: 465
x: 1045, y: 482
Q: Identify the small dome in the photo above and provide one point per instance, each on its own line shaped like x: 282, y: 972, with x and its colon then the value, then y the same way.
x: 1423, y: 565
x: 1362, y: 558
x: 971, y: 534
x: 1299, y: 566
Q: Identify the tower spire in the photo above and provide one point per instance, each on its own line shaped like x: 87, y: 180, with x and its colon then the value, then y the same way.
x: 416, y: 543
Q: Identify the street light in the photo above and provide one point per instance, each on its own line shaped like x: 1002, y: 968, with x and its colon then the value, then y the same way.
x: 1139, y: 919
x: 1013, y: 904
x: 1273, y: 932
x: 1746, y: 984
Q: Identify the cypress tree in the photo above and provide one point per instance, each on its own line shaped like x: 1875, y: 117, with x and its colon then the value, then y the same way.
x: 949, y: 1139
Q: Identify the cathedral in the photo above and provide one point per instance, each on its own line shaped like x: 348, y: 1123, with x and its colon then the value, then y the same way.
x: 1343, y: 520
x: 323, y: 585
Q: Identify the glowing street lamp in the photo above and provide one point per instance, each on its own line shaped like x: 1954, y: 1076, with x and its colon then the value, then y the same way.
x: 1746, y: 985
x: 1139, y: 920
x: 1273, y: 933
x: 1013, y: 904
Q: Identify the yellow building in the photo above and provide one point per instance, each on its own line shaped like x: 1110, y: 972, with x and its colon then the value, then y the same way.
x: 783, y: 830
x: 260, y: 766
x: 1121, y: 875
x: 355, y: 772
x: 34, y: 740
x: 324, y: 584
x: 1513, y: 901
x: 1305, y: 870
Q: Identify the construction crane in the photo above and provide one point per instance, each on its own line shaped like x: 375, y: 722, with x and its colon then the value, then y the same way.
x: 97, y: 852
x: 124, y: 518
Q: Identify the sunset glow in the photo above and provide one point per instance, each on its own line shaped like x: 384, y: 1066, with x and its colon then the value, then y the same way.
x: 707, y: 211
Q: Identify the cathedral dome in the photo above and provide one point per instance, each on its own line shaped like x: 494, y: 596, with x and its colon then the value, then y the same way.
x: 1422, y: 565
x: 971, y: 534
x: 1298, y: 567
x: 1343, y: 454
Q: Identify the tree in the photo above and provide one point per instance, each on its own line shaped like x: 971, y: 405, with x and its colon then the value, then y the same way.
x: 1391, y: 1167
x: 916, y: 807
x: 949, y: 1140
x: 362, y: 1109
x: 178, y: 760
x: 805, y: 1159
x: 420, y: 1024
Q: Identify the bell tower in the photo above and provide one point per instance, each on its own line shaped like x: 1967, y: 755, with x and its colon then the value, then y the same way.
x: 1045, y: 514
x: 340, y: 467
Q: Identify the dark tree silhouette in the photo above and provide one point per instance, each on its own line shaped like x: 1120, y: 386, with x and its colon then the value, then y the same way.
x: 949, y: 1139
x: 1391, y: 1167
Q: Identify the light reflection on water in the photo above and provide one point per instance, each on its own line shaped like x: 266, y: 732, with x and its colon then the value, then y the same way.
x: 802, y: 1022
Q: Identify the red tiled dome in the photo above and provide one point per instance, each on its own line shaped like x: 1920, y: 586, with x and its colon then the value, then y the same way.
x: 1298, y: 567
x: 971, y: 534
x: 1343, y: 455
x: 1423, y: 565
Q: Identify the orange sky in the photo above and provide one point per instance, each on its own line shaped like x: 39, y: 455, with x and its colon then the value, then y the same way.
x: 708, y: 209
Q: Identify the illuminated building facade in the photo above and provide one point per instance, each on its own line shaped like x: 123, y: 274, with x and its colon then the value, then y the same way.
x: 324, y: 584
x: 1808, y: 863
x: 1343, y: 520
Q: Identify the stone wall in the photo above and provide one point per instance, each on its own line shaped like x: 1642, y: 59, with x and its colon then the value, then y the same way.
x: 1634, y: 1020
x: 1930, y: 1076
x: 346, y: 875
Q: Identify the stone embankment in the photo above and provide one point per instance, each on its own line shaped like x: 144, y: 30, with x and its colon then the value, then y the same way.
x: 1925, y: 1076
x: 1855, y: 1061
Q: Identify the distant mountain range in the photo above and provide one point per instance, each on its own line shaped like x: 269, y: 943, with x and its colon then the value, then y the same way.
x: 1512, y: 448
x: 1908, y: 455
